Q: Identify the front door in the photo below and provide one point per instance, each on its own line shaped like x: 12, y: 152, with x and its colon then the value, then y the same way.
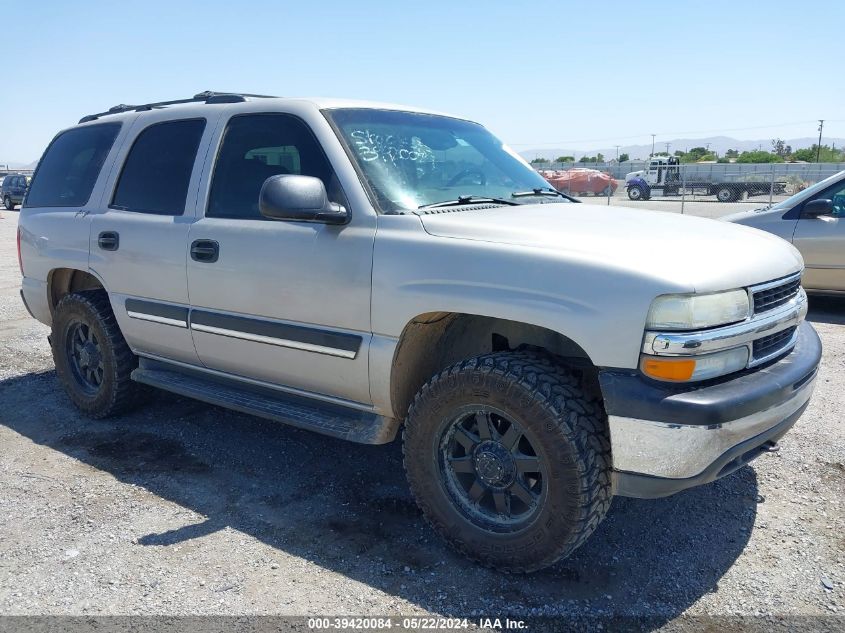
x: 822, y: 244
x: 281, y: 302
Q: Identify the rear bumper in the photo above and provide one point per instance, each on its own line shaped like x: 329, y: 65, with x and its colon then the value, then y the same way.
x: 666, y: 438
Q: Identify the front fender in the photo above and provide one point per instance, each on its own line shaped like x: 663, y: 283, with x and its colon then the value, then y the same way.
x: 638, y: 182
x: 598, y: 304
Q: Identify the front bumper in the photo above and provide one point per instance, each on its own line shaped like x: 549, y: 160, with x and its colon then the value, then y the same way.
x: 666, y: 438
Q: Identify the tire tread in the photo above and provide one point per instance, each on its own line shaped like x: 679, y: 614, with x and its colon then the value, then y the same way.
x: 126, y: 393
x: 581, y: 420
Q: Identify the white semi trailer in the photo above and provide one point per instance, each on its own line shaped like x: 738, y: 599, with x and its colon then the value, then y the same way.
x: 664, y: 176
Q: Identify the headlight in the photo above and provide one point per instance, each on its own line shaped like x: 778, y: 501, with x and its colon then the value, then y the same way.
x: 691, y: 368
x: 697, y: 311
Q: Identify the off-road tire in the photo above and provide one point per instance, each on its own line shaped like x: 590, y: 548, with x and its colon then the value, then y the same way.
x: 569, y: 428
x: 117, y: 392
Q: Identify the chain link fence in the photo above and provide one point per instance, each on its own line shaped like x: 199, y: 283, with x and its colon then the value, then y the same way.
x: 664, y: 180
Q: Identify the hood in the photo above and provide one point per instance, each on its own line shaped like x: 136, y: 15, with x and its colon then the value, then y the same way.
x: 751, y: 215
x: 697, y: 254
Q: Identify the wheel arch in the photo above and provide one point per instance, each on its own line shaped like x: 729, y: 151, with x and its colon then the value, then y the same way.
x: 432, y: 341
x: 63, y: 281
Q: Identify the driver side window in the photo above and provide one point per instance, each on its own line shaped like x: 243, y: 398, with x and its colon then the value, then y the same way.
x: 256, y: 147
x: 837, y: 195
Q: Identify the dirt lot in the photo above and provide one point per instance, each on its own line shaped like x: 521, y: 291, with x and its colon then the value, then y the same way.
x: 183, y: 508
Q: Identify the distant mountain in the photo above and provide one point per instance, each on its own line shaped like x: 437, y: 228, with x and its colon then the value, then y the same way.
x: 720, y: 144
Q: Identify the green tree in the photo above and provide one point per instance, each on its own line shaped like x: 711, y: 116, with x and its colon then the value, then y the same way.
x: 758, y: 156
x: 624, y: 158
x: 539, y: 161
x: 731, y: 153
x: 780, y: 147
x: 694, y: 155
x: 565, y: 159
x: 826, y: 154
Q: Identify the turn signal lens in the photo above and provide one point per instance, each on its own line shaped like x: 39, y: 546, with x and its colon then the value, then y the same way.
x: 695, y: 368
x: 668, y: 368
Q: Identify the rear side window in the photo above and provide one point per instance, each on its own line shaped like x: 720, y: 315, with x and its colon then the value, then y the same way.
x: 69, y: 168
x: 158, y: 168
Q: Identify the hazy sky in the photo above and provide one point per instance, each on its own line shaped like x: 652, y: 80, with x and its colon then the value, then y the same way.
x: 574, y: 74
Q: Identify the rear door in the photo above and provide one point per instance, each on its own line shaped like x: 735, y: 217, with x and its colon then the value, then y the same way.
x: 17, y: 188
x: 822, y: 243
x: 139, y: 237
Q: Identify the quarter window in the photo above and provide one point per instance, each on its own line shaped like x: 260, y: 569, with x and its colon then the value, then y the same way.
x: 256, y: 147
x: 157, y: 171
x: 67, y: 172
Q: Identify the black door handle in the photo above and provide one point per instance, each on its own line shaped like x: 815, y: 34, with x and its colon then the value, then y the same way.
x: 109, y: 240
x: 205, y: 251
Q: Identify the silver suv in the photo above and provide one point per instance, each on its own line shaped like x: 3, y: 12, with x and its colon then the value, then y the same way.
x: 356, y: 269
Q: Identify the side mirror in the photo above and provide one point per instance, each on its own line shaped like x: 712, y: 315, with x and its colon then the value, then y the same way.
x: 300, y: 198
x: 815, y: 208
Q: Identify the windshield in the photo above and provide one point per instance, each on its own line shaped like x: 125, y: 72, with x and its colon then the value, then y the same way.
x: 809, y: 192
x: 411, y: 160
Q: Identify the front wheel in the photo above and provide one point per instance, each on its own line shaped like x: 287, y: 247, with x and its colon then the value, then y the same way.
x: 508, y: 460
x: 636, y: 193
x: 7, y: 202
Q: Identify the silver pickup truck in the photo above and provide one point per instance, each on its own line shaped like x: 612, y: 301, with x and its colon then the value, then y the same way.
x: 357, y: 268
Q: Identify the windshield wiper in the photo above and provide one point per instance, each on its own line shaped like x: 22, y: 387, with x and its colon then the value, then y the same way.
x: 547, y: 191
x: 467, y: 200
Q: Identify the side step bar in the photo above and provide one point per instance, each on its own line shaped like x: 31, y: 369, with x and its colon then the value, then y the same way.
x: 304, y: 413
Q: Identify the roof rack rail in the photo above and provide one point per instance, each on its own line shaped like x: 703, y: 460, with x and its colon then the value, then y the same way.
x: 209, y: 96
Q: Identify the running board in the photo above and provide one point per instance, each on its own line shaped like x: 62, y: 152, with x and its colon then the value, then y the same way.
x: 304, y: 413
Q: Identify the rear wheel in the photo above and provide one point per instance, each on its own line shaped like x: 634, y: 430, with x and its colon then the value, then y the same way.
x: 93, y: 361
x: 726, y: 194
x: 508, y: 460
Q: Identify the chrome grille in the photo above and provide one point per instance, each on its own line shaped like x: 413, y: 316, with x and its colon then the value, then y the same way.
x: 771, y: 296
x: 772, y: 344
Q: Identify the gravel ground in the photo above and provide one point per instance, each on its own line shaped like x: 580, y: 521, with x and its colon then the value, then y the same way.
x: 183, y: 508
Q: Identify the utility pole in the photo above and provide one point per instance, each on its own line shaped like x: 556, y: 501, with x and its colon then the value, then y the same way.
x: 652, y: 144
x: 617, y: 153
x: 819, y: 146
x: 668, y: 145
